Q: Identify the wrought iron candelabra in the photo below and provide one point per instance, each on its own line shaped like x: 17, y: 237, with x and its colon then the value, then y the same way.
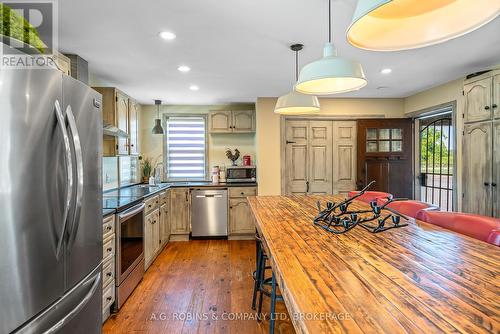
x: 338, y: 219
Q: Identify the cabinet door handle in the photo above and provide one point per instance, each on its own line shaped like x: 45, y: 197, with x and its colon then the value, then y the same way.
x: 109, y: 274
x: 493, y: 184
x: 109, y: 249
x: 494, y: 106
x: 108, y: 228
x: 290, y: 142
x: 486, y: 184
x: 487, y: 108
x: 108, y: 299
x: 307, y: 186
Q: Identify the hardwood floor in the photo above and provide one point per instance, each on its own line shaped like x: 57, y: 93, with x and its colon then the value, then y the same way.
x: 198, y: 286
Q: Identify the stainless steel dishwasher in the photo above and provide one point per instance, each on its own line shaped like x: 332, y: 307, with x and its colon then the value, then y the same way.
x: 209, y: 213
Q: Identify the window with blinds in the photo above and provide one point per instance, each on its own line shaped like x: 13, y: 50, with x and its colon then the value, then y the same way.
x: 186, y: 147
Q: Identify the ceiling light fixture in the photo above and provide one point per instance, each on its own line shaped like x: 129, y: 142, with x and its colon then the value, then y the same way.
x: 330, y: 74
x: 167, y: 35
x: 157, y: 129
x: 386, y: 71
x: 184, y: 68
x: 194, y: 87
x: 392, y: 25
x: 295, y: 103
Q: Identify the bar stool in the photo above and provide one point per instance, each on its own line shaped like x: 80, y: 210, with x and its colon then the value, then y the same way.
x: 264, y: 286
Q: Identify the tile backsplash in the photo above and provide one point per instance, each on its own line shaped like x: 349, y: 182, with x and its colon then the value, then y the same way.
x: 119, y: 171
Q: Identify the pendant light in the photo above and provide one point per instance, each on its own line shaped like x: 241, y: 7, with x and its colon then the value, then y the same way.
x: 157, y: 129
x: 295, y: 103
x: 391, y: 25
x: 330, y: 74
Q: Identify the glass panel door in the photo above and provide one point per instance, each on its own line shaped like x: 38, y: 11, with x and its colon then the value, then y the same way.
x: 437, y: 147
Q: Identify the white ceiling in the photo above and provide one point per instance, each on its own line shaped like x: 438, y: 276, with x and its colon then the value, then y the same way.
x: 238, y: 49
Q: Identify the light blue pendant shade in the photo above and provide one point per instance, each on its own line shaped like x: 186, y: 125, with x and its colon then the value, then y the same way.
x: 330, y: 75
x: 392, y: 25
x: 295, y: 103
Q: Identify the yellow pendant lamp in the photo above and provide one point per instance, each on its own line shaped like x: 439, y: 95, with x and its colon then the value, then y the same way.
x: 392, y: 25
x: 295, y: 103
x: 331, y: 74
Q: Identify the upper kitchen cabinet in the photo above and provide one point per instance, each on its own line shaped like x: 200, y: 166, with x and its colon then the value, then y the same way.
x: 121, y: 113
x: 478, y: 100
x: 238, y: 121
x: 133, y: 126
x: 496, y: 96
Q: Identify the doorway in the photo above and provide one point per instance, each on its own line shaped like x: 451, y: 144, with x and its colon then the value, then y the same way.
x: 436, y: 158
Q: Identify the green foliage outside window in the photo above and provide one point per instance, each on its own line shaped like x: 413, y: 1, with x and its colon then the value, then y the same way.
x: 434, y: 154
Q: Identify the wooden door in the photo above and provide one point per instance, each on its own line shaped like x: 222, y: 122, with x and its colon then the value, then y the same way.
x: 243, y: 121
x: 296, y: 157
x: 122, y: 121
x: 477, y: 168
x: 496, y: 169
x: 344, y: 156
x: 164, y: 225
x: 148, y: 239
x: 477, y: 97
x: 384, y: 155
x: 133, y: 127
x: 220, y: 121
x: 240, y: 217
x: 156, y: 232
x: 495, y: 104
x: 179, y: 210
x: 320, y: 157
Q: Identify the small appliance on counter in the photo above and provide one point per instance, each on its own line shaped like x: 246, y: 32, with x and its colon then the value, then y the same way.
x: 241, y: 174
x: 247, y: 160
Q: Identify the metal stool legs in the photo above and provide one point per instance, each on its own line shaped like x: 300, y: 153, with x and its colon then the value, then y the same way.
x: 273, y: 304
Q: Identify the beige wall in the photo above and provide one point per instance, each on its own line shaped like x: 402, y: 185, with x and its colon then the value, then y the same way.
x: 448, y: 92
x: 268, y: 131
x: 152, y: 146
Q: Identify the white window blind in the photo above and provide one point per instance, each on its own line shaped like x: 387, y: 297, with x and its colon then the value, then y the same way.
x: 186, y: 147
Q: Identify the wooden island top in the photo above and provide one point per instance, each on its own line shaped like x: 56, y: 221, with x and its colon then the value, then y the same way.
x: 414, y: 279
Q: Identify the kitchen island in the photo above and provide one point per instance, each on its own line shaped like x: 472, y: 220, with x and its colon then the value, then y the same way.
x: 414, y: 279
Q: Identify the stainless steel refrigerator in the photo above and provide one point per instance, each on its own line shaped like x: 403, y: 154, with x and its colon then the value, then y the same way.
x: 50, y: 203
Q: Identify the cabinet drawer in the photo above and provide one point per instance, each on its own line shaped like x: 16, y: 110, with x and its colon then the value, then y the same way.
x: 108, y: 247
x: 164, y: 197
x: 108, y: 227
x: 108, y: 296
x: 151, y: 204
x: 108, y: 271
x: 242, y: 191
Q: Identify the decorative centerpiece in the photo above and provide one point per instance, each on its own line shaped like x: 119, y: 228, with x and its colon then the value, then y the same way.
x: 337, y: 218
x: 231, y: 156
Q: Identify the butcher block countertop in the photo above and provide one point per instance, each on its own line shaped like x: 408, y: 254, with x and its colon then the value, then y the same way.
x: 414, y: 279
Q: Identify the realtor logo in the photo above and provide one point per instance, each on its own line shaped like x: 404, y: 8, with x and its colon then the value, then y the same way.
x: 28, y: 33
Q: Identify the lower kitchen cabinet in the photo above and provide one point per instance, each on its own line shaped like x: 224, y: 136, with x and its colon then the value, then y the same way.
x: 179, y: 213
x: 240, y: 217
x: 164, y: 225
x: 108, y: 266
x: 151, y: 237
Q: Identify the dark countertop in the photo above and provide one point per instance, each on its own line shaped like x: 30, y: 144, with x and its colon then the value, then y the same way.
x: 123, y: 198
x: 106, y: 212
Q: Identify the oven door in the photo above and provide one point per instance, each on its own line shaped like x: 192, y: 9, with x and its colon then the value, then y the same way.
x: 130, y: 241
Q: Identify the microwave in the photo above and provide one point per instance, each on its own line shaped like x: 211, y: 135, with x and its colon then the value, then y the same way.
x: 241, y: 174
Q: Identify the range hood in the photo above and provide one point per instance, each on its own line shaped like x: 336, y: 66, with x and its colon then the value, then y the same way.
x: 111, y: 130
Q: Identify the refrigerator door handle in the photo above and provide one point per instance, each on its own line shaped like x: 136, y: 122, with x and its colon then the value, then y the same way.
x: 61, y: 121
x: 78, y: 308
x: 79, y: 174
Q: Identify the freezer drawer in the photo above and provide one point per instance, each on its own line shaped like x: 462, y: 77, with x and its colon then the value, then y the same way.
x: 209, y: 213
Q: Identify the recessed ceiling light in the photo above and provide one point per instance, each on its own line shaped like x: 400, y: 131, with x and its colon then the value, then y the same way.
x: 194, y: 87
x: 386, y: 71
x: 168, y: 35
x: 184, y: 68
x: 382, y: 87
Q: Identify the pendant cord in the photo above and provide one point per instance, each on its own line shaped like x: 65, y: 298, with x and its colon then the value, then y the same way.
x: 296, y: 65
x: 329, y: 21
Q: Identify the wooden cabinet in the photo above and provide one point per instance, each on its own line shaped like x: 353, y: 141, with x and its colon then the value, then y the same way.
x: 108, y: 267
x: 164, y: 225
x: 62, y: 62
x: 179, y: 211
x: 481, y: 143
x: 151, y: 237
x: 121, y: 111
x: 477, y: 96
x: 240, y: 217
x: 133, y: 126
x: 243, y: 121
x: 225, y: 121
